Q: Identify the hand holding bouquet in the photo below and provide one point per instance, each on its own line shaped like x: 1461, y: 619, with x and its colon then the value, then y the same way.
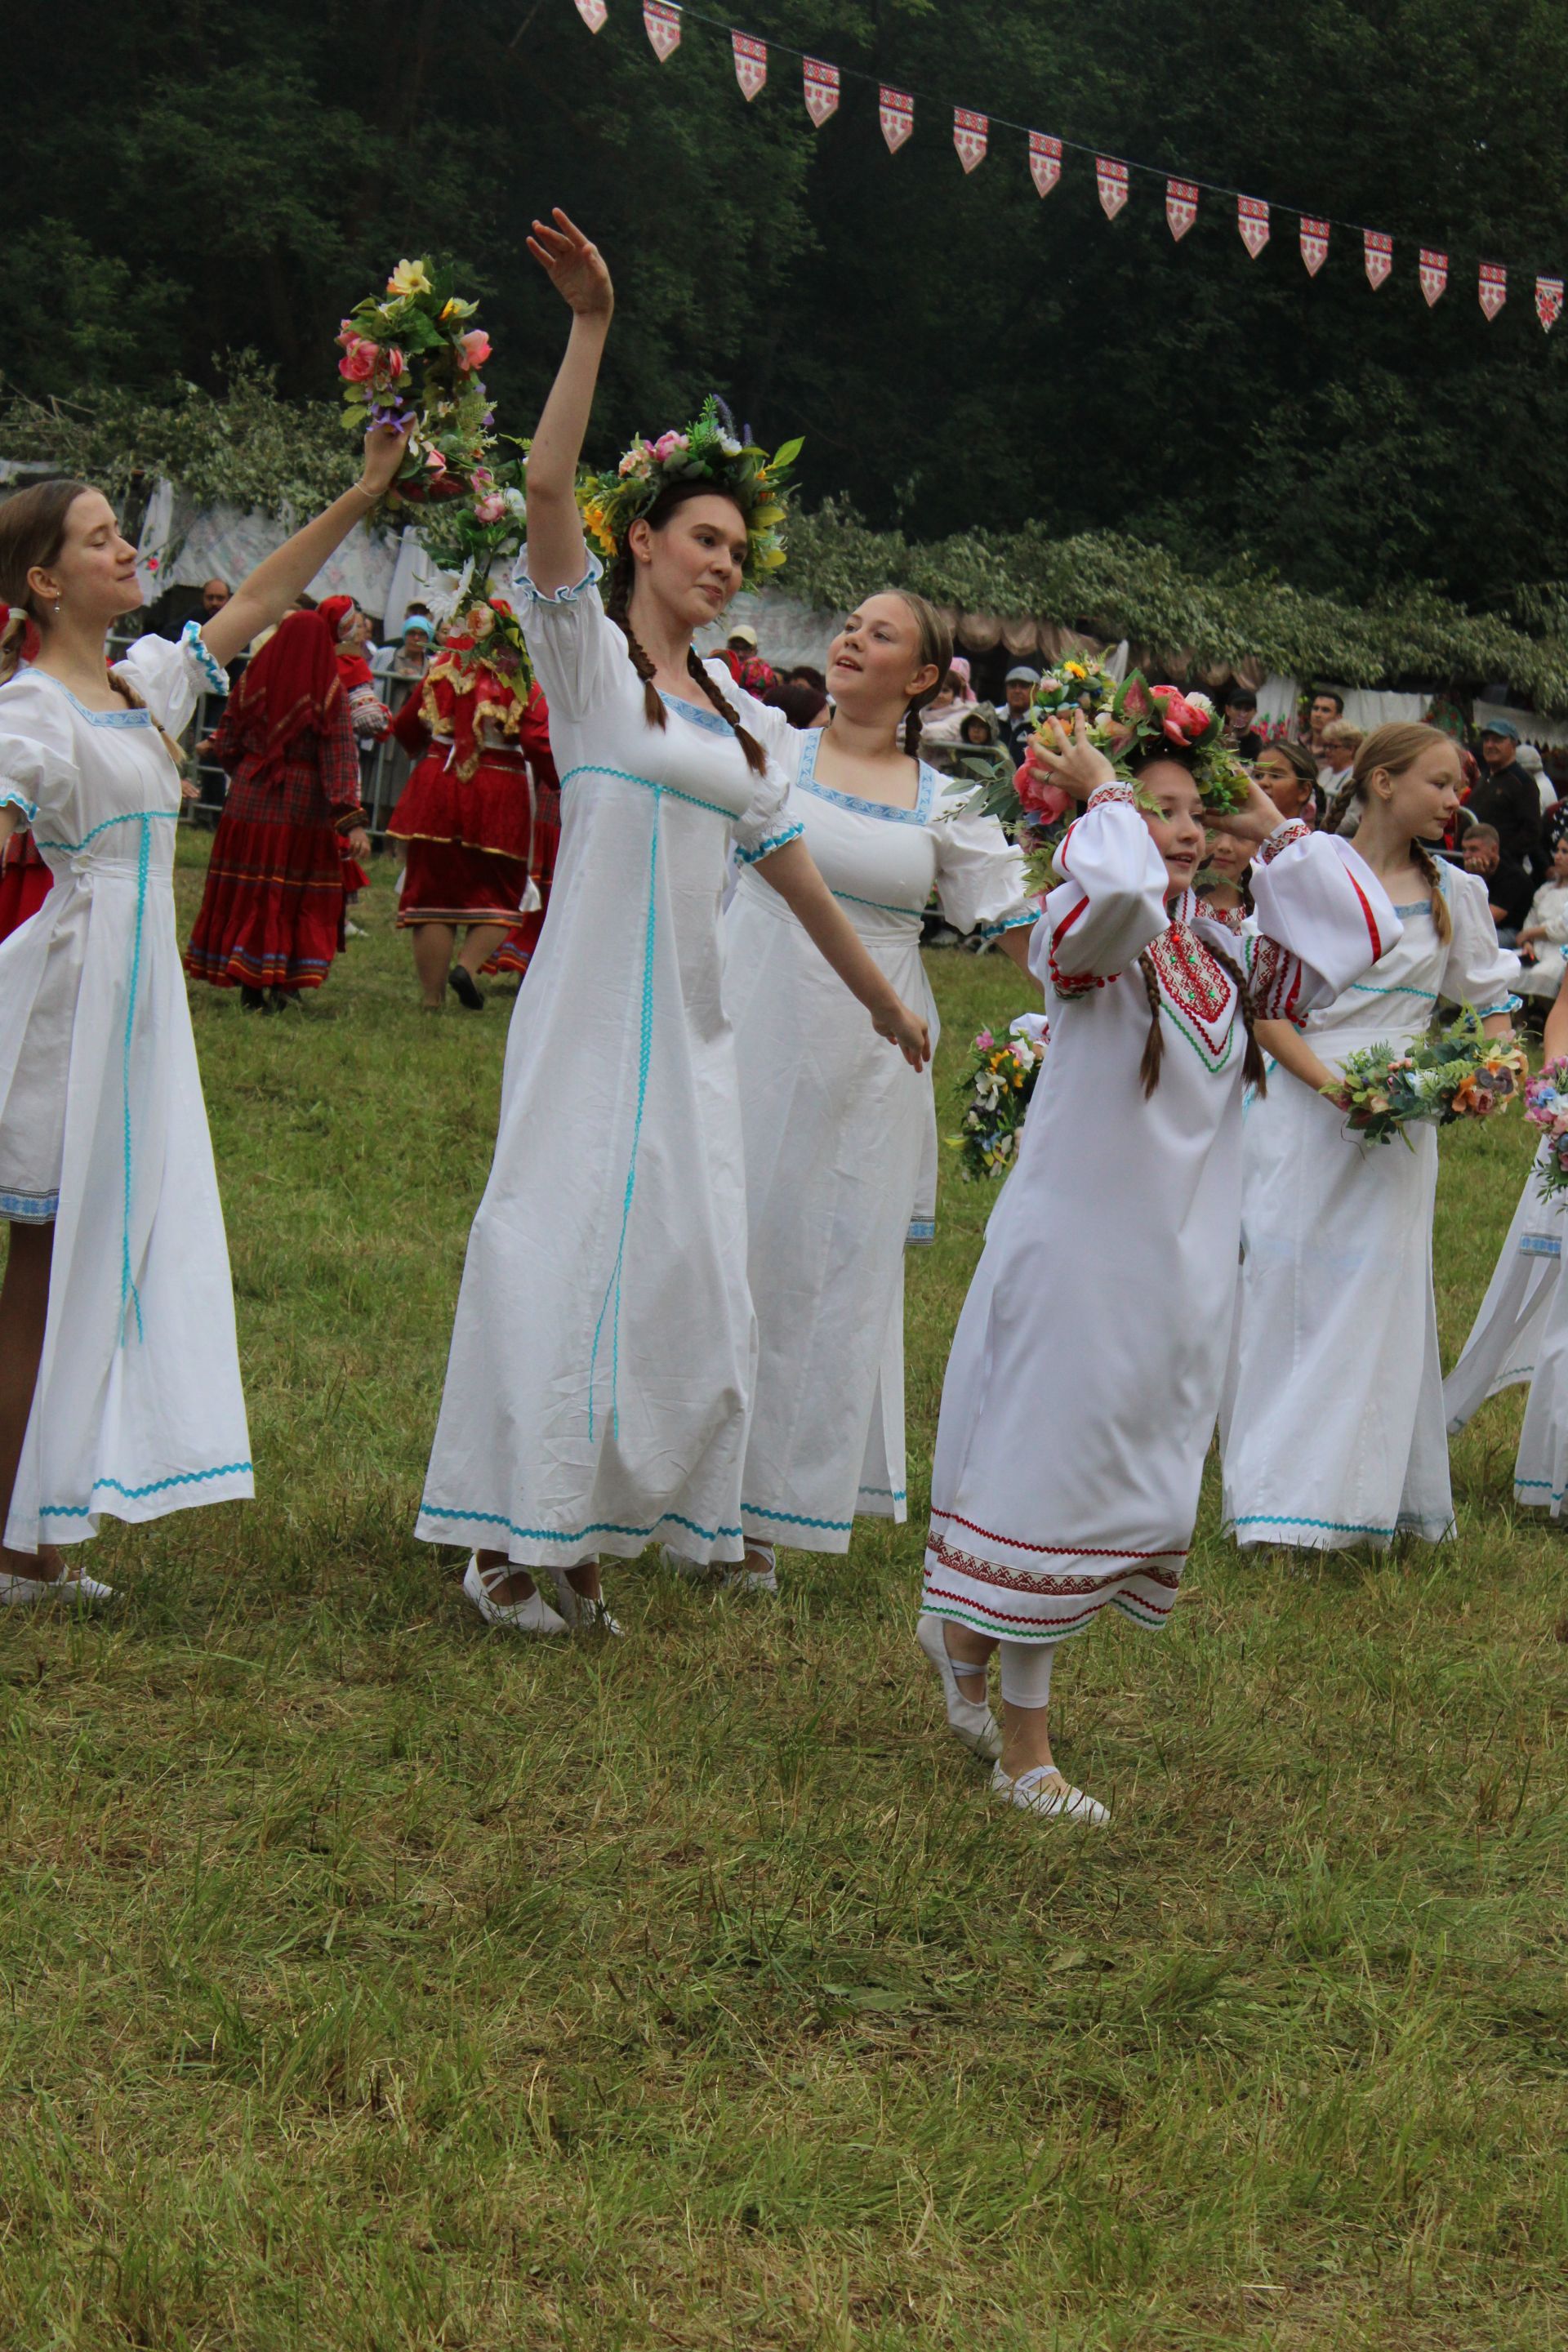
x: 995, y: 1091
x: 1461, y: 1074
x: 1546, y: 1107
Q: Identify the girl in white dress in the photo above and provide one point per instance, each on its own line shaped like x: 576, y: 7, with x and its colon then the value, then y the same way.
x: 1336, y: 1435
x: 605, y: 1350
x: 840, y: 1137
x: 1522, y: 1331
x: 1086, y: 1369
x: 120, y: 1392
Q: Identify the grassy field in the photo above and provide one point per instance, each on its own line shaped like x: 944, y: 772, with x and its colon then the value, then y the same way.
x: 369, y: 1982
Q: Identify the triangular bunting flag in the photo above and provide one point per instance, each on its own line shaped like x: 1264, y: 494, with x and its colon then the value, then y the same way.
x: 1045, y: 162
x: 751, y: 64
x: 1493, y: 288
x: 1110, y: 179
x: 593, y: 13
x: 1252, y: 220
x: 661, y: 22
x: 1548, y: 301
x: 895, y: 112
x: 1379, y: 252
x: 1434, y: 274
x: 821, y: 91
x: 1314, y: 245
x: 970, y: 134
x: 1181, y: 206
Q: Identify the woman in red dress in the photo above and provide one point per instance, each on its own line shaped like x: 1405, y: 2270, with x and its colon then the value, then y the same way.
x: 272, y: 912
x: 467, y: 812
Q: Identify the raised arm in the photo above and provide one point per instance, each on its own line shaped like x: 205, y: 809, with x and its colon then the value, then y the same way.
x: 265, y: 594
x: 557, y: 557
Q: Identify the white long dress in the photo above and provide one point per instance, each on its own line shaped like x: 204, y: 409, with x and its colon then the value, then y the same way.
x: 602, y: 1363
x: 840, y: 1141
x: 1507, y: 1336
x: 1336, y: 1434
x: 138, y: 1409
x: 1085, y: 1369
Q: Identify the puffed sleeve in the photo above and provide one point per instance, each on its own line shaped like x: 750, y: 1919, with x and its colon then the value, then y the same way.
x: 172, y: 679
x: 1110, y: 904
x: 767, y: 823
x: 1478, y: 972
x: 1322, y: 918
x: 579, y: 656
x: 37, y: 768
x: 979, y: 881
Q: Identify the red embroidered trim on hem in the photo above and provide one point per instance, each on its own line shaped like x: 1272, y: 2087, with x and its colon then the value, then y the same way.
x: 1069, y: 1551
x: 1062, y: 1625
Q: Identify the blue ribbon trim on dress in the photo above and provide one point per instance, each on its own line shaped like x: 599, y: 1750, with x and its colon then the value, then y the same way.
x: 645, y: 1055
x: 595, y: 1527
x: 139, y: 1493
x: 796, y: 1518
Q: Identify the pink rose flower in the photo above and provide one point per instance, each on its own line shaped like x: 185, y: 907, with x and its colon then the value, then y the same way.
x: 1045, y: 801
x: 473, y: 350
x: 491, y: 507
x: 393, y: 363
x: 434, y: 460
x: 984, y: 1041
x: 357, y: 364
x: 1181, y: 721
x: 347, y: 333
x: 667, y: 445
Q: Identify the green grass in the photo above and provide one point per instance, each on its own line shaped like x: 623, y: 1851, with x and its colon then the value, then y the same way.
x: 372, y: 1983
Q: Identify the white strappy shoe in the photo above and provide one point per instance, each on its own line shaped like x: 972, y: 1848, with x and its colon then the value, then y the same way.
x: 579, y: 1613
x: 969, y: 1720
x: 72, y: 1588
x: 533, y: 1615
x: 1045, y: 1794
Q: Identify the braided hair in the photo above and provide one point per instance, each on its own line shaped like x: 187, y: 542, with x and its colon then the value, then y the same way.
x: 617, y: 604
x: 1254, y: 1069
x: 1396, y: 750
x: 933, y: 649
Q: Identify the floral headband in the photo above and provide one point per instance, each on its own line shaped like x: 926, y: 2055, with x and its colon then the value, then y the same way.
x: 1130, y: 720
x: 493, y: 626
x: 709, y: 451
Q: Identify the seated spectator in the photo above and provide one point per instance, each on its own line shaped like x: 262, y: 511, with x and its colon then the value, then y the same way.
x: 968, y: 745
x: 1341, y: 741
x: 1289, y: 774
x: 965, y: 676
x: 1509, y: 892
x: 1241, y: 722
x: 1507, y: 799
x: 802, y: 705
x: 1017, y: 725
x: 1325, y: 707
x: 410, y: 657
x: 1530, y: 760
x: 747, y: 666
x: 1543, y: 938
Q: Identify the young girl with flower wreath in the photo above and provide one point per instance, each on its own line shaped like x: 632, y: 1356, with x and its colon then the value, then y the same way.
x: 603, y: 1355
x: 840, y: 1137
x: 1334, y: 1431
x: 1085, y: 1369
x: 119, y: 1392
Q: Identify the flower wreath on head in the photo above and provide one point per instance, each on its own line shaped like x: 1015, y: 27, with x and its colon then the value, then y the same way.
x: 709, y: 451
x: 1129, y: 722
x: 465, y: 668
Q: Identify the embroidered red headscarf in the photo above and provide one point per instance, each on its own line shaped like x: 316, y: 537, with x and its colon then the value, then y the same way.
x: 352, y: 666
x: 290, y: 687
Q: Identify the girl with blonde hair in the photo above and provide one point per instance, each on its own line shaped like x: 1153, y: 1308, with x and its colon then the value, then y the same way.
x: 1335, y: 1430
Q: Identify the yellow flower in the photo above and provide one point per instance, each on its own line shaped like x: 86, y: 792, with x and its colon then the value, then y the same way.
x: 409, y: 278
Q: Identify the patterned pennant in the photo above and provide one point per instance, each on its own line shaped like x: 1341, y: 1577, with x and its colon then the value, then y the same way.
x: 1045, y: 162
x: 751, y: 64
x: 661, y: 22
x: 895, y: 112
x: 1548, y: 302
x: 593, y: 13
x: 1252, y: 220
x: 1379, y: 251
x: 1314, y: 245
x: 1181, y: 206
x: 1434, y: 274
x: 1493, y: 288
x: 821, y: 91
x: 1110, y: 179
x: 970, y: 134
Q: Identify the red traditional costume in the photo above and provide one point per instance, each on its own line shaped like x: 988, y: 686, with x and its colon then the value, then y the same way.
x: 24, y: 883
x: 272, y: 912
x: 369, y: 714
x: 482, y: 812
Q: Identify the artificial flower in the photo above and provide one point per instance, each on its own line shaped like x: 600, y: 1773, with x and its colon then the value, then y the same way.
x: 408, y: 278
x: 475, y: 348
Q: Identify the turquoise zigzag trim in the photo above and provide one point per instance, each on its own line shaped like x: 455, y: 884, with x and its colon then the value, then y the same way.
x: 138, y: 1493
x: 597, y: 1528
x: 795, y: 1519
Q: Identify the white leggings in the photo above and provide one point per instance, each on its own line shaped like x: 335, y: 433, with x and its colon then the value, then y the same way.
x: 1026, y: 1672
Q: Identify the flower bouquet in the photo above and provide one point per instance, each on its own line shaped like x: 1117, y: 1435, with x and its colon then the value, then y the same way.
x: 995, y: 1092
x: 488, y: 631
x: 1546, y: 1107
x: 482, y: 531
x: 419, y: 324
x: 1461, y: 1073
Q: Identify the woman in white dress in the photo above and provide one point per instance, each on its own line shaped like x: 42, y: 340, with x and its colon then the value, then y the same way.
x: 1085, y: 1369
x: 120, y: 1394
x: 1336, y: 1435
x: 603, y: 1359
x: 840, y: 1137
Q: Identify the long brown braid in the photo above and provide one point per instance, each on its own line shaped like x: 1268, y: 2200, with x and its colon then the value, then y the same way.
x: 933, y: 649
x: 617, y: 604
x: 1395, y: 749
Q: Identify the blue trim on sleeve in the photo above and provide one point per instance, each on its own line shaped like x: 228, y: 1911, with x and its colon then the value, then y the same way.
x: 769, y: 843
x: 206, y: 661
x: 1013, y: 923
x: 11, y: 797
x: 525, y: 588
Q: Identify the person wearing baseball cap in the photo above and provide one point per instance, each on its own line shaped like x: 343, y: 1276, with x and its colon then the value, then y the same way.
x: 1017, y: 724
x: 1508, y: 799
x: 747, y: 666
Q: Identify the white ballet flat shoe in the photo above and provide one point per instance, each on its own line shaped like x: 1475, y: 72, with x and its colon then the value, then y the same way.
x: 741, y: 1576
x: 73, y: 1590
x: 969, y: 1720
x: 533, y: 1615
x: 579, y: 1613
x: 1046, y: 1795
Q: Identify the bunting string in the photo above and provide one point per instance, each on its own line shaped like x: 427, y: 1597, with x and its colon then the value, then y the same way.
x: 822, y: 87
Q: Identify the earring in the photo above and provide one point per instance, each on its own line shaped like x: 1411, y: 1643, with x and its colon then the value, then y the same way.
x: 59, y: 600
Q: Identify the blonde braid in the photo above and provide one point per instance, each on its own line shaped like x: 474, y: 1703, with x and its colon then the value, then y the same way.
x: 1432, y: 875
x: 1334, y: 814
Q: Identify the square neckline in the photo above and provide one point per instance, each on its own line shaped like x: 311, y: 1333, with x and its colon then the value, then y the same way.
x: 888, y: 810
x: 128, y: 716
